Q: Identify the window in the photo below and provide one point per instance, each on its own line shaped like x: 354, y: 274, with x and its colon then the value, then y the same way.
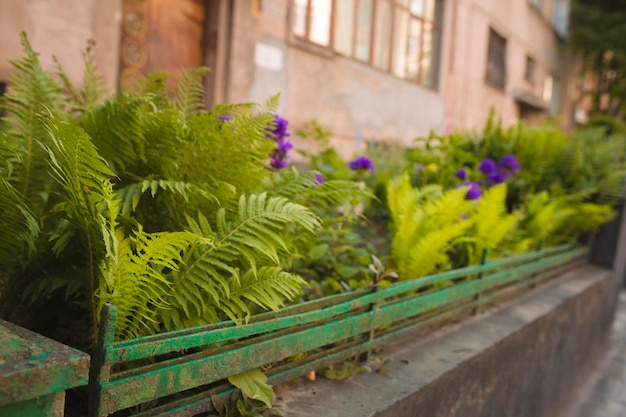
x: 496, y: 60
x: 529, y: 72
x: 560, y: 17
x: 401, y: 37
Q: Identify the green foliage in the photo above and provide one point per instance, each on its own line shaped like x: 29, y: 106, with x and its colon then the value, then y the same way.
x: 426, y: 225
x: 597, y: 36
x: 33, y: 92
x: 492, y: 224
x: 253, y: 384
x: 151, y: 203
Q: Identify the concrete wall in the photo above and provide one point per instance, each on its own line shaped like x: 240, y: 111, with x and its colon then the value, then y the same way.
x: 62, y: 28
x: 526, y: 358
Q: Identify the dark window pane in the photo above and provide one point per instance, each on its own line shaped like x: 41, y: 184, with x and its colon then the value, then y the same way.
x: 496, y: 60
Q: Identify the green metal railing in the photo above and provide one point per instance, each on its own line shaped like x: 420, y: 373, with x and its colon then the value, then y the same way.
x: 317, y: 333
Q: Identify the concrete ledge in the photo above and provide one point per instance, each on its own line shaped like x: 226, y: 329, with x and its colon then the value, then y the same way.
x: 526, y: 358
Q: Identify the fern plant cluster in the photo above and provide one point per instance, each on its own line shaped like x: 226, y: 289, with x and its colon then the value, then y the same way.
x: 145, y: 199
x: 448, y: 200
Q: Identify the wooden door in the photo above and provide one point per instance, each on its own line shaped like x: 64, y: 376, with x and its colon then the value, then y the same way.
x: 162, y: 35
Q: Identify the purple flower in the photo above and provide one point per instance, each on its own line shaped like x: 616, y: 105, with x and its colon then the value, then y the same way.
x: 224, y: 118
x: 362, y: 163
x: 509, y: 164
x: 461, y: 174
x: 279, y: 163
x: 487, y: 166
x: 279, y: 131
x: 319, y: 179
x: 473, y: 192
x: 495, y: 178
x: 283, y: 145
x: 418, y: 167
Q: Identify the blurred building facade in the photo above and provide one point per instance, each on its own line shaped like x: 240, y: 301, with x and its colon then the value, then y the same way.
x: 368, y: 69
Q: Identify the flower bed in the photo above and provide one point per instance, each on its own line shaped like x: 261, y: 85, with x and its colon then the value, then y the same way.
x: 182, y: 217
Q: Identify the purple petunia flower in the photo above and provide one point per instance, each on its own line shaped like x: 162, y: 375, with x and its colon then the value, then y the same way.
x: 474, y: 192
x: 279, y: 131
x: 509, y: 163
x: 495, y: 178
x: 319, y: 179
x: 487, y: 166
x: 461, y: 174
x: 362, y: 163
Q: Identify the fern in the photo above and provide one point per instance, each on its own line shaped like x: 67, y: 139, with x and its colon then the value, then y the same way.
x: 239, y: 245
x: 84, y: 178
x: 425, y: 228
x: 189, y: 98
x: 492, y: 223
x: 33, y: 91
x: 117, y: 128
x: 305, y: 188
x: 138, y: 278
x: 81, y: 101
x: 130, y: 195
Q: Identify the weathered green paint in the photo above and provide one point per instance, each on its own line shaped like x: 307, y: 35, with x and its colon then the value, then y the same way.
x: 51, y: 405
x: 149, y: 346
x: 352, y: 324
x: 35, y: 372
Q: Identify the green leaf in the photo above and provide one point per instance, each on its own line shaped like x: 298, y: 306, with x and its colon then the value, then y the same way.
x: 319, y: 251
x: 253, y: 384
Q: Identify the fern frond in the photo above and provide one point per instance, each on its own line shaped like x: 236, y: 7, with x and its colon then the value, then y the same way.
x: 32, y: 92
x: 220, y: 143
x: 18, y: 226
x: 253, y: 236
x: 430, y: 251
x: 81, y: 101
x: 139, y: 278
x: 268, y: 288
x: 130, y: 195
x: 189, y: 98
x: 304, y: 187
x: 117, y: 128
x: 426, y: 225
x: 84, y: 178
x: 492, y: 223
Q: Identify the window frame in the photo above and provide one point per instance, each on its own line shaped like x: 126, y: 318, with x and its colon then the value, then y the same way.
x: 492, y: 48
x: 396, y: 7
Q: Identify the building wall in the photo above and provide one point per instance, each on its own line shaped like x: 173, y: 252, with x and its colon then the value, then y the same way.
x: 62, y: 28
x: 255, y: 55
x: 527, y: 31
x: 360, y: 103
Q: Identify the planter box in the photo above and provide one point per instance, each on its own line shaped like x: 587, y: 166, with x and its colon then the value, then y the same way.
x: 35, y: 372
x: 195, y: 362
x: 524, y: 359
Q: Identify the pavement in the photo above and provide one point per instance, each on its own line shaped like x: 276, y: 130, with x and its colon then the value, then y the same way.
x: 605, y: 393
